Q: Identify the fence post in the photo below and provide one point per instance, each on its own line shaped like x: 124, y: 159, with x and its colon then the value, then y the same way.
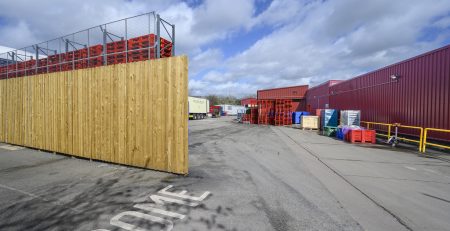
x: 173, y: 40
x: 158, y: 38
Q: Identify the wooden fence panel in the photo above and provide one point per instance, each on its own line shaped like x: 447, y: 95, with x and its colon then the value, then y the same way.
x: 133, y: 114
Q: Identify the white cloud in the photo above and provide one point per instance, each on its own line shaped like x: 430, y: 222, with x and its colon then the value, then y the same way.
x: 209, y: 59
x: 335, y: 40
x: 310, y: 42
x: 195, y: 27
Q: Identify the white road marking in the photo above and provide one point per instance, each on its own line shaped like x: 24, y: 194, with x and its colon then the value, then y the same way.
x: 410, y: 168
x: 155, y: 207
x: 116, y: 221
x: 149, y: 207
x: 183, y: 195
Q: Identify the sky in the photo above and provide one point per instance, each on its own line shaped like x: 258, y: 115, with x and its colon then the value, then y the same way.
x: 236, y: 47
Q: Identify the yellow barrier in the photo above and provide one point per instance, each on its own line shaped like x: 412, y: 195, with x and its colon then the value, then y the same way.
x: 383, y: 124
x: 432, y: 144
x: 420, y: 141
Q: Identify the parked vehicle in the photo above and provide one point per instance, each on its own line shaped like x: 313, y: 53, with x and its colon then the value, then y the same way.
x: 198, y: 108
x: 215, y: 111
x: 231, y: 110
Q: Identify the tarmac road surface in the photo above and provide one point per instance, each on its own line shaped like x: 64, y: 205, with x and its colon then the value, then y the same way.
x: 241, y: 177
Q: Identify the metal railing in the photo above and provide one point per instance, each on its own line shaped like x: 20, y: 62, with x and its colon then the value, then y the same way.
x: 382, y: 124
x: 82, y: 49
x: 425, y: 143
x: 390, y: 126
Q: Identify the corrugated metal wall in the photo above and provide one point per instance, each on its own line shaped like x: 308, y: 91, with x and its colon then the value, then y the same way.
x: 420, y: 96
x: 319, y: 96
x: 248, y: 101
x: 295, y: 92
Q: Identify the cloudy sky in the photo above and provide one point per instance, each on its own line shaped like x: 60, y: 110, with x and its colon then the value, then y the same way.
x: 238, y: 46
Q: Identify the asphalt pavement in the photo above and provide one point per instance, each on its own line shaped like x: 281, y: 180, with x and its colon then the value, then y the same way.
x: 241, y: 177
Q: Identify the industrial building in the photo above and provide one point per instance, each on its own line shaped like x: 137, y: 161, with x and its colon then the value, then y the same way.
x: 414, y: 92
x: 318, y: 97
x: 295, y: 93
x: 249, y: 102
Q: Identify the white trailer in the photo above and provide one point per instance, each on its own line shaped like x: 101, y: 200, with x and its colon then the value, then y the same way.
x: 232, y: 110
x: 198, y: 108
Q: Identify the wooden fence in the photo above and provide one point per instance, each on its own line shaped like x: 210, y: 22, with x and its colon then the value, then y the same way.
x: 133, y: 114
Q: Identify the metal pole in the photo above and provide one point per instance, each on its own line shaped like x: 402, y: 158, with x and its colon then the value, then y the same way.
x: 126, y: 41
x: 15, y: 62
x: 104, y: 47
x: 48, y: 59
x: 88, y: 50
x: 37, y: 59
x: 73, y: 53
x: 173, y: 40
x: 149, y: 32
x: 158, y: 44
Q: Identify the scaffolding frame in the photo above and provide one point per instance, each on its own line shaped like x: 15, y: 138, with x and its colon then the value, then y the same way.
x: 119, y: 30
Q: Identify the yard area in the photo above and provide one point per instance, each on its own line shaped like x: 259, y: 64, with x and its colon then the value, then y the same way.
x: 251, y: 178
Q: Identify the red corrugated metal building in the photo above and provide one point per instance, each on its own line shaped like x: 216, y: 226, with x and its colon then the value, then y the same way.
x: 296, y: 93
x: 318, y: 97
x: 413, y: 92
x: 249, y: 102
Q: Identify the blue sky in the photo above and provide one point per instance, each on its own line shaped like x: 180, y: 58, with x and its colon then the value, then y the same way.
x: 238, y: 46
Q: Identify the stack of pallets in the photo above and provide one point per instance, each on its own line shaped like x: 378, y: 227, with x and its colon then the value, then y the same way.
x: 139, y: 49
x: 266, y: 111
x: 283, y: 112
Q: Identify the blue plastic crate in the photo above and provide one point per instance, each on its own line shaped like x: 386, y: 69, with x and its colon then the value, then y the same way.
x: 297, y: 115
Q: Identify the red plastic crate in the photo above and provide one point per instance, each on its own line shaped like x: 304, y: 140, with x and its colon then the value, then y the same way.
x: 96, y: 62
x: 81, y: 64
x: 96, y: 50
x: 42, y: 62
x: 68, y: 56
x: 369, y: 136
x: 115, y: 47
x: 354, y: 136
x: 53, y: 59
x: 80, y: 54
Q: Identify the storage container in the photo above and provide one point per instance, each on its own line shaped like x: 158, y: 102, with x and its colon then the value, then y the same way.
x: 296, y: 116
x: 350, y: 117
x: 310, y: 122
x: 329, y: 131
x: 328, y: 118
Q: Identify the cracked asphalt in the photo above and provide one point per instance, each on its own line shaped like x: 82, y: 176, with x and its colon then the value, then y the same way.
x: 259, y: 177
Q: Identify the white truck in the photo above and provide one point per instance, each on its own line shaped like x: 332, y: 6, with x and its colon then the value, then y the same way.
x: 198, y: 108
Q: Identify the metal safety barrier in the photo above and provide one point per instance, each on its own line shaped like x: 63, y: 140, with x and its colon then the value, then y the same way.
x: 383, y: 124
x: 425, y: 143
x: 389, y: 126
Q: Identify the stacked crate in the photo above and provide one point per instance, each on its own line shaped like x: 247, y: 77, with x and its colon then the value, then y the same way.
x: 116, y: 52
x: 265, y: 111
x: 3, y: 70
x: 253, y: 115
x: 283, y: 112
x: 139, y: 49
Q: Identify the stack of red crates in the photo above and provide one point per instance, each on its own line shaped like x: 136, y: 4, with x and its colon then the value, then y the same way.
x: 140, y: 48
x: 283, y: 112
x: 3, y: 70
x: 115, y: 51
x: 265, y: 111
x: 254, y: 115
x: 361, y: 136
